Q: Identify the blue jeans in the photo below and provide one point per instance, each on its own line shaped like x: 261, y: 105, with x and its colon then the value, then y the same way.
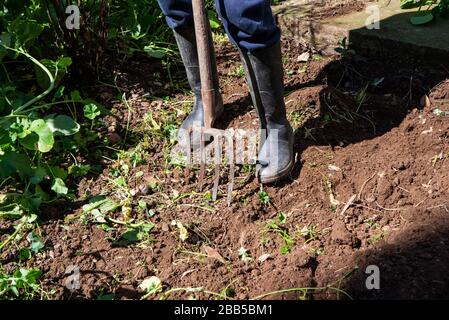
x: 249, y: 23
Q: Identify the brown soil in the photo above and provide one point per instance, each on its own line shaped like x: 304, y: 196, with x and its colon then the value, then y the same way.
x: 387, y: 149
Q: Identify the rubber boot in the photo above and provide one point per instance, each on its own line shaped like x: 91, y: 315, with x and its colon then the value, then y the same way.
x: 264, y: 73
x: 186, y: 41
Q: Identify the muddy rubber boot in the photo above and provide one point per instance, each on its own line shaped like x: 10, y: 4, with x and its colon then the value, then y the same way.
x: 186, y: 41
x: 264, y: 73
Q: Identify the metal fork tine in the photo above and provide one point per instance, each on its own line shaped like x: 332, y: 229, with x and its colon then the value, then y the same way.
x: 188, y: 152
x: 231, y: 169
x: 217, y: 160
x: 202, y: 158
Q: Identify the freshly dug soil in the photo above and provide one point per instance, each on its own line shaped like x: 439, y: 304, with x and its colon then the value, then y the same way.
x: 363, y: 138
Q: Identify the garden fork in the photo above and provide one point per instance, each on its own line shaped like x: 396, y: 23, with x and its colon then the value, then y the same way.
x: 208, y: 94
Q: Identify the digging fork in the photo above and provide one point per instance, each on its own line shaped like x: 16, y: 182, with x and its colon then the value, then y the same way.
x: 208, y: 94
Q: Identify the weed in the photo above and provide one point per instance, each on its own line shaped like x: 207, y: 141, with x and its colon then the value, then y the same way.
x: 361, y: 97
x: 376, y: 238
x: 275, y: 226
x: 264, y: 198
x: 22, y: 283
x: 439, y: 157
x: 244, y: 254
x: 295, y: 118
x: 238, y: 72
x: 344, y: 48
x: 371, y: 223
x: 309, y: 233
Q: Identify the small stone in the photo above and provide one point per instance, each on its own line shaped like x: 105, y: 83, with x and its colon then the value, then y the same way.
x: 165, y: 227
x: 113, y: 137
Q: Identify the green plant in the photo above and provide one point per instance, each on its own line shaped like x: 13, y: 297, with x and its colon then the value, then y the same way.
x: 264, y: 198
x: 309, y: 232
x: 237, y: 72
x: 344, y: 48
x: 434, y: 8
x: 278, y: 227
x: 22, y: 283
x: 244, y: 254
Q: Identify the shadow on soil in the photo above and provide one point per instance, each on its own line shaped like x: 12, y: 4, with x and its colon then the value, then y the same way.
x: 413, y: 265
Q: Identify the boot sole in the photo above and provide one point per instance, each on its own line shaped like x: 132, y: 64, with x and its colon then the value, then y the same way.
x: 280, y: 176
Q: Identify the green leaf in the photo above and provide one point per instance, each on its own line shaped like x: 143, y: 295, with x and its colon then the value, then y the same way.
x: 63, y: 63
x: 76, y: 96
x: 36, y: 243
x: 285, y: 249
x: 25, y: 31
x: 38, y: 176
x: 59, y: 93
x: 25, y: 254
x: 108, y: 206
x: 132, y: 235
x: 14, y: 213
x: 63, y: 124
x: 30, y: 276
x: 409, y: 4
x: 94, y: 203
x: 102, y: 203
x: 151, y: 285
x: 418, y: 20
x: 154, y: 52
x: 79, y: 170
x: 282, y: 218
x: 57, y: 68
x: 42, y: 140
x: 59, y: 186
x: 12, y: 162
x: 91, y: 111
x: 58, y: 172
x: 14, y: 291
x: 213, y: 20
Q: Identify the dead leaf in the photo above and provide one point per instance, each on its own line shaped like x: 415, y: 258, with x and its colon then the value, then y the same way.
x: 331, y: 167
x: 264, y: 257
x: 303, y: 57
x: 151, y: 180
x: 183, y: 233
x: 213, y: 253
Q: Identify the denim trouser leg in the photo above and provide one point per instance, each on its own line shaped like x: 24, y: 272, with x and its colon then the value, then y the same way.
x: 249, y: 23
x: 178, y: 13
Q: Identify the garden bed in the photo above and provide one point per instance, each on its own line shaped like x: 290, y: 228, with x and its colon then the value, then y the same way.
x: 370, y: 187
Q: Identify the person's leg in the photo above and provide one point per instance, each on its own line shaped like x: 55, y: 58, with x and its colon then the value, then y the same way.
x: 179, y: 17
x: 250, y: 25
x: 178, y: 13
